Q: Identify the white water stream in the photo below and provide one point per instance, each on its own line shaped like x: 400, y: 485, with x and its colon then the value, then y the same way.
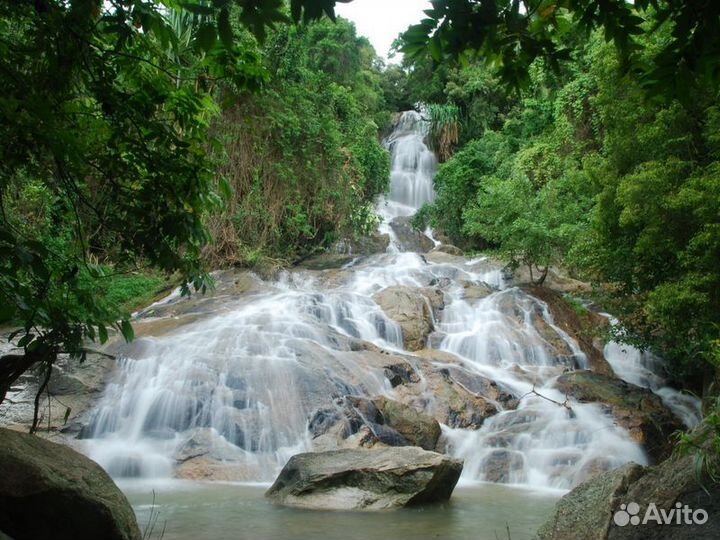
x: 251, y: 375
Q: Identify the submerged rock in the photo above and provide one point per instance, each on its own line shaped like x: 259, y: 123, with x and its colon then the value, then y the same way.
x: 51, y: 491
x: 366, y: 479
x: 636, y: 409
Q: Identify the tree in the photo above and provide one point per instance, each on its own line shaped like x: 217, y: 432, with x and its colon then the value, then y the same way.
x: 105, y: 118
x: 511, y: 34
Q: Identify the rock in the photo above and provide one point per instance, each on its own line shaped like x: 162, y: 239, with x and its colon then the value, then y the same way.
x: 557, y: 279
x: 51, y: 491
x: 455, y: 405
x: 582, y: 325
x: 409, y: 238
x: 450, y: 249
x: 587, y: 512
x: 417, y: 428
x: 473, y: 291
x: 74, y: 386
x: 328, y: 261
x: 637, y: 409
x: 208, y: 469
x: 380, y: 421
x: 499, y: 465
x: 373, y: 479
x: 412, y: 310
x: 441, y: 282
x: 436, y: 298
x: 401, y: 373
x: 452, y: 403
x: 206, y: 442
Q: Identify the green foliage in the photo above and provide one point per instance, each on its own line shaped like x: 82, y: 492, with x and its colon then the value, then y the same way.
x: 444, y: 128
x: 583, y: 169
x: 107, y: 155
x: 510, y: 35
x: 134, y: 290
x: 304, y: 160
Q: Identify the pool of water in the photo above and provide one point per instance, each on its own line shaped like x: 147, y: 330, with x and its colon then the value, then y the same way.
x: 212, y: 511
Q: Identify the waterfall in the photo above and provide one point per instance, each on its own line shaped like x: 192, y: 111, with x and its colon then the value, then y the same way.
x: 246, y: 383
x: 413, y: 166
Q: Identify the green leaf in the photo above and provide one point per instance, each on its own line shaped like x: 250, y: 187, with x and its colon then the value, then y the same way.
x: 225, y: 189
x: 127, y: 330
x: 102, y: 333
x: 27, y: 338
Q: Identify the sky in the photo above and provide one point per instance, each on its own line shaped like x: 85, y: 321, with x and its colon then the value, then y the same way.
x: 382, y: 20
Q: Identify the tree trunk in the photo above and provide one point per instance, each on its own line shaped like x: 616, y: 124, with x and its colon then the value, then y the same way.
x: 542, y: 277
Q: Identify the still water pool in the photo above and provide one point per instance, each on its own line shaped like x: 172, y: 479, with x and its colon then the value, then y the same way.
x: 212, y: 511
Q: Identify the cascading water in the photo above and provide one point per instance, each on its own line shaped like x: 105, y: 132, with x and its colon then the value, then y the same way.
x: 413, y: 166
x: 247, y: 385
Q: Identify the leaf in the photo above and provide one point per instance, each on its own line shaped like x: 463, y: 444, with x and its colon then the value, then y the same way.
x: 127, y: 330
x: 225, y: 188
x: 102, y: 333
x: 68, y: 410
x: 27, y: 338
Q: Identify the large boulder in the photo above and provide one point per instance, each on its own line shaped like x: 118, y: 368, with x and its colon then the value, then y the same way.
x: 636, y: 409
x: 602, y: 508
x: 408, y: 237
x: 412, y: 309
x: 51, y: 491
x: 373, y: 479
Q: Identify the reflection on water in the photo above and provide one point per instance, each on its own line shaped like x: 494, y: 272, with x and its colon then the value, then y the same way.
x: 192, y: 511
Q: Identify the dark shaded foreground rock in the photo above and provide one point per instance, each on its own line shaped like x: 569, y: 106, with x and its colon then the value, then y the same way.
x: 366, y: 479
x: 636, y: 409
x: 49, y: 491
x: 588, y: 511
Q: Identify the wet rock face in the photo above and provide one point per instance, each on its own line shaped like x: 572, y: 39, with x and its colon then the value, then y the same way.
x: 449, y: 249
x: 51, y: 491
x: 358, y: 421
x: 409, y: 238
x: 413, y: 310
x: 637, y: 409
x: 499, y: 465
x: 363, y: 479
x: 583, y: 326
x: 74, y: 386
